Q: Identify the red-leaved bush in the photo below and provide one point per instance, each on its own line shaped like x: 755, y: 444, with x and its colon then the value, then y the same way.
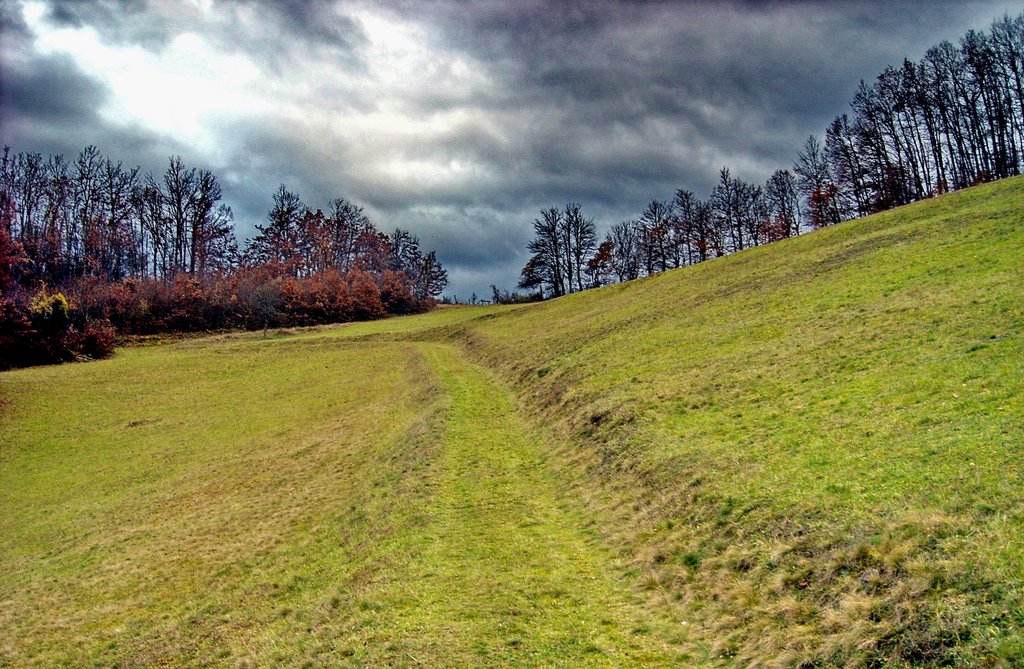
x: 94, y: 340
x: 85, y: 319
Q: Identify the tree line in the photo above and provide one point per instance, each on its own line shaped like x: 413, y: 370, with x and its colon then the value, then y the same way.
x: 90, y: 248
x: 951, y: 120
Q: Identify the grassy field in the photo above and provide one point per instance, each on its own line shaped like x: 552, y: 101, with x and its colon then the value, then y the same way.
x: 298, y: 500
x: 805, y: 454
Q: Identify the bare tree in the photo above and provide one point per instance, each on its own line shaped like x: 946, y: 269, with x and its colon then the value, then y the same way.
x: 627, y: 254
x: 783, y: 201
x: 579, y: 239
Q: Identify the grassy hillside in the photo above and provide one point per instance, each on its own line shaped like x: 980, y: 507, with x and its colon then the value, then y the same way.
x: 816, y: 447
x: 804, y: 454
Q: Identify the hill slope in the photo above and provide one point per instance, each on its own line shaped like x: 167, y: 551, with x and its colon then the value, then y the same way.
x: 820, y: 441
x: 807, y: 453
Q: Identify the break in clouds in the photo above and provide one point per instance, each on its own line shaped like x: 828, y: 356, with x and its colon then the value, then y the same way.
x: 458, y: 121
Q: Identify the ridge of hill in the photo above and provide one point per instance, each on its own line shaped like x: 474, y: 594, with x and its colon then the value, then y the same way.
x: 805, y: 454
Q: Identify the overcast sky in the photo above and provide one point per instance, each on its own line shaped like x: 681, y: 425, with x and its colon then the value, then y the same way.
x: 456, y: 120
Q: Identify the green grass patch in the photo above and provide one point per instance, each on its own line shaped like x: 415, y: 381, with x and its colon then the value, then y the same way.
x: 201, y: 503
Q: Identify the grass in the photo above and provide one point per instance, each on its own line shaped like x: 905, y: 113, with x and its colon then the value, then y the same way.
x: 501, y: 571
x: 170, y: 505
x: 806, y: 454
x: 301, y: 500
x: 855, y: 392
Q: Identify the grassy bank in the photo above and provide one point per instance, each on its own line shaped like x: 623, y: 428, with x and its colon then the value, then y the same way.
x: 816, y: 445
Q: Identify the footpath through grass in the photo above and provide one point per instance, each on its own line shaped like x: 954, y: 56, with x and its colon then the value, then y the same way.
x: 504, y: 572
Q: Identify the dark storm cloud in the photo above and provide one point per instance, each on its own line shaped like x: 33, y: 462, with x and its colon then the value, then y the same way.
x: 511, y: 107
x: 748, y: 79
x: 12, y: 25
x: 274, y: 32
x: 280, y: 34
x: 630, y: 102
x: 48, y: 105
x: 305, y: 21
x: 312, y: 22
x: 120, y: 21
x: 49, y: 90
x: 474, y: 247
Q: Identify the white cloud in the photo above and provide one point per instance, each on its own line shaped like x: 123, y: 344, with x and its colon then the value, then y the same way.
x: 177, y: 91
x: 386, y: 117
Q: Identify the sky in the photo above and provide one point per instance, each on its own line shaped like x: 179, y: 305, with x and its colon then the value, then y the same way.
x: 456, y: 120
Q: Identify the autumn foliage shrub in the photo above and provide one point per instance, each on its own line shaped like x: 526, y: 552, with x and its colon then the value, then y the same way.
x: 364, y: 296
x: 84, y: 317
x: 94, y: 340
x: 50, y: 335
x: 84, y: 320
x: 155, y: 259
x: 395, y: 295
x: 92, y: 308
x: 46, y: 328
x: 256, y: 299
